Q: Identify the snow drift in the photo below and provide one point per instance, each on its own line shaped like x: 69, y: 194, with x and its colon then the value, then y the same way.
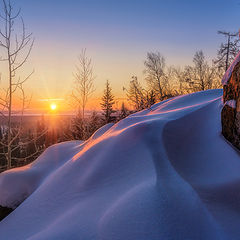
x: 163, y: 173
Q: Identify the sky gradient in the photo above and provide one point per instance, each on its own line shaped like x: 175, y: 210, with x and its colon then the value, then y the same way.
x: 117, y: 35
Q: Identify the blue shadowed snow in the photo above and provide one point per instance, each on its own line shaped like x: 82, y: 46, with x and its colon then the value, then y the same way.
x: 165, y: 173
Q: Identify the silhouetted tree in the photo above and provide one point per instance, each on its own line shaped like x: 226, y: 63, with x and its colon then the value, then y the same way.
x: 155, y: 75
x: 135, y: 94
x: 41, y: 133
x: 200, y: 76
x: 16, y: 47
x: 107, y: 103
x: 151, y: 98
x: 227, y: 51
x: 124, y: 112
x: 94, y: 123
x: 78, y: 128
x: 180, y: 77
x: 84, y: 86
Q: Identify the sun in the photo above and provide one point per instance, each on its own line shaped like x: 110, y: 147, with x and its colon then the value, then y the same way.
x: 53, y: 106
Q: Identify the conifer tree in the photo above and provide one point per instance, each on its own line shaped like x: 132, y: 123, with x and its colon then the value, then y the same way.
x: 107, y: 103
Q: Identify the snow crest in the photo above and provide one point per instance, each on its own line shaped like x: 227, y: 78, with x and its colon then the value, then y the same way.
x: 228, y: 73
x: 162, y: 173
x: 231, y: 103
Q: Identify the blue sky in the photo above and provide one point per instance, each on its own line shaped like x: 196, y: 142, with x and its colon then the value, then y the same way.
x: 118, y: 34
x: 146, y: 23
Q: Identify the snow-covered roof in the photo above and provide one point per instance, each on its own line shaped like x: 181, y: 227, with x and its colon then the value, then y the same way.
x: 228, y: 73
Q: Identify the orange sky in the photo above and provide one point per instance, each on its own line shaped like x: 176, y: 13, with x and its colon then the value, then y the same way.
x: 117, y: 36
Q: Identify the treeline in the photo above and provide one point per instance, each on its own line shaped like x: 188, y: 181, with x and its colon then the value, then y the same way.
x: 160, y: 82
x: 19, y: 145
x: 38, y: 136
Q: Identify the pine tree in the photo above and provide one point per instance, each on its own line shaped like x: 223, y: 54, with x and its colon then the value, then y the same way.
x: 107, y: 103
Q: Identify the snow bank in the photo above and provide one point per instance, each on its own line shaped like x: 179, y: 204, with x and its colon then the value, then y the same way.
x: 17, y: 184
x: 231, y: 103
x: 164, y: 173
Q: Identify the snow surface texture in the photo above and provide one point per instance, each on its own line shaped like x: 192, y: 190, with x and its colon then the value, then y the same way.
x: 165, y: 173
x: 228, y: 73
x: 231, y: 103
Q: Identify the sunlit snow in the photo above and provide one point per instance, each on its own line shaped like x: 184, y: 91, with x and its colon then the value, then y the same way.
x: 164, y: 173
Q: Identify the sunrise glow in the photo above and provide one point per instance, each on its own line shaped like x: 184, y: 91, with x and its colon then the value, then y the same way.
x: 53, y: 106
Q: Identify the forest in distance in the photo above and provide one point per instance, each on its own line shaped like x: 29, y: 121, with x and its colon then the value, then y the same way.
x: 23, y: 139
x: 161, y: 82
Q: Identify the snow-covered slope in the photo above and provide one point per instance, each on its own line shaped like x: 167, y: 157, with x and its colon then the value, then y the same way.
x: 165, y: 173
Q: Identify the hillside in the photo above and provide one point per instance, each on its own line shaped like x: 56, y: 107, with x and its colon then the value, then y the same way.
x: 163, y: 173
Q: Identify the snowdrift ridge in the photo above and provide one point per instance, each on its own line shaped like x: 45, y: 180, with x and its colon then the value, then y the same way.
x: 163, y: 173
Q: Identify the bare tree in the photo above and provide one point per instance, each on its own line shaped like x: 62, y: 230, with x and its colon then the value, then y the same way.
x: 16, y: 48
x: 155, y: 75
x: 227, y: 51
x: 84, y: 86
x: 81, y: 93
x: 135, y: 94
x: 180, y: 77
x: 200, y: 76
x: 139, y: 97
